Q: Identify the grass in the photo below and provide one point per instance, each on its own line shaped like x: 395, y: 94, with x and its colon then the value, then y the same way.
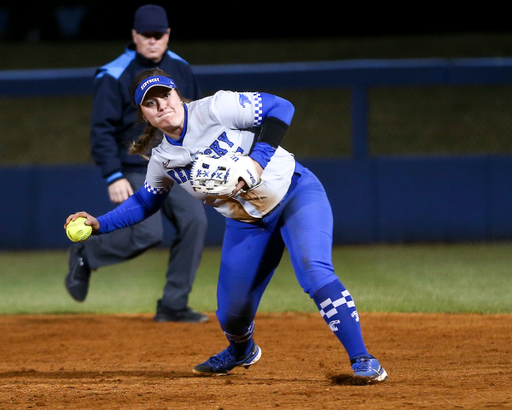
x: 454, y: 278
x: 429, y: 278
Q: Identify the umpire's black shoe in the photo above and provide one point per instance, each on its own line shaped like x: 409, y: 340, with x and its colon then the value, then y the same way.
x: 188, y: 315
x: 77, y: 279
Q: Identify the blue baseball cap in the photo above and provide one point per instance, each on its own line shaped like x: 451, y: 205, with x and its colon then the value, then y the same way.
x: 150, y: 18
x: 150, y: 82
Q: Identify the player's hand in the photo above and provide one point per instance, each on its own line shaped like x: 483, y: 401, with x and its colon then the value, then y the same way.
x: 242, y: 184
x: 90, y: 220
x: 120, y: 190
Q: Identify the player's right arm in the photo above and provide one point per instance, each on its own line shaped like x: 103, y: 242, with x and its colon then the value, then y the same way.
x: 141, y: 205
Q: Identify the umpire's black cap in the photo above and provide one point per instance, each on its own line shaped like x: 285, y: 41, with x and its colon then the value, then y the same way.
x: 150, y: 18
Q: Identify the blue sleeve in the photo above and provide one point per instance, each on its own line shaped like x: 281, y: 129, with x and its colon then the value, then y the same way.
x: 262, y: 153
x: 277, y: 114
x: 141, y: 205
x: 277, y: 107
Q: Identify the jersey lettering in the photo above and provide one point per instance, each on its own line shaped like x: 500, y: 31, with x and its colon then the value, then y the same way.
x: 188, y: 172
x: 217, y: 149
x: 224, y: 138
x: 178, y: 175
x: 181, y: 175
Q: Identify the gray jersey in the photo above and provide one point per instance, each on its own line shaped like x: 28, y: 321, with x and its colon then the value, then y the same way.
x: 218, y: 125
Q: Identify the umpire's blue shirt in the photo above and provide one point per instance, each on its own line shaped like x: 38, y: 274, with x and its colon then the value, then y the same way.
x: 114, y: 113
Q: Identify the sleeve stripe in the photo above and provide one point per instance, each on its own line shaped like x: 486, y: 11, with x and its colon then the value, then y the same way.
x: 258, y: 110
x: 156, y: 191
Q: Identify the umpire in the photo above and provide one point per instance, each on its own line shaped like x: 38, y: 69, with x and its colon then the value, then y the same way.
x: 113, y: 129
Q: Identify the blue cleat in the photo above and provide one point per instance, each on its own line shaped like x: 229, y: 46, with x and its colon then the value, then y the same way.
x: 221, y: 363
x: 368, y: 367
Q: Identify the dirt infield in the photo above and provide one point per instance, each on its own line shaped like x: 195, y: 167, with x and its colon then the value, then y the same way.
x: 128, y: 362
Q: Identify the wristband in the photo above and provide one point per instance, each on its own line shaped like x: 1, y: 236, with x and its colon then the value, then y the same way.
x: 114, y: 177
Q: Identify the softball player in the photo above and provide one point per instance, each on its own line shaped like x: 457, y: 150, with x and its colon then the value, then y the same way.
x: 289, y: 207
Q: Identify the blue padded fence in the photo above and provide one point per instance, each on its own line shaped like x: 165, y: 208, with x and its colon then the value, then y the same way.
x: 375, y: 199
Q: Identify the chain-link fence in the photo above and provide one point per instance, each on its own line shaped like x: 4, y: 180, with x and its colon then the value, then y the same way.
x: 401, y: 121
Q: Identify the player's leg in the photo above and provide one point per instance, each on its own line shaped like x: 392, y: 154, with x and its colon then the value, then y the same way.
x: 118, y: 246
x: 307, y: 232
x: 188, y: 217
x: 250, y: 255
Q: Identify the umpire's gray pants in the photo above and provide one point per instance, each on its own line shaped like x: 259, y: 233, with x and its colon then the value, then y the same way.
x: 187, y: 215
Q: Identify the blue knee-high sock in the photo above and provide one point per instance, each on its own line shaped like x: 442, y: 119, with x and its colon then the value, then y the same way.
x: 339, y: 311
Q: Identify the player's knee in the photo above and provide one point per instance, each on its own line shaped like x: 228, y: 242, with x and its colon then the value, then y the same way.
x: 234, y: 324
x: 314, y: 279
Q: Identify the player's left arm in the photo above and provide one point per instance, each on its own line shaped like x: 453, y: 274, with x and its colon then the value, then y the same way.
x: 274, y: 115
x: 277, y: 114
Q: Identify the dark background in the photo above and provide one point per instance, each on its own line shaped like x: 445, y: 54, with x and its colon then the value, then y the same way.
x: 104, y: 20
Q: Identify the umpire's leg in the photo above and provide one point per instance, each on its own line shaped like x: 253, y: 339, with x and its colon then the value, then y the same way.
x: 188, y: 216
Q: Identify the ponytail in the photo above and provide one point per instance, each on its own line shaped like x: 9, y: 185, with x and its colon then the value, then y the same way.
x: 146, y: 141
